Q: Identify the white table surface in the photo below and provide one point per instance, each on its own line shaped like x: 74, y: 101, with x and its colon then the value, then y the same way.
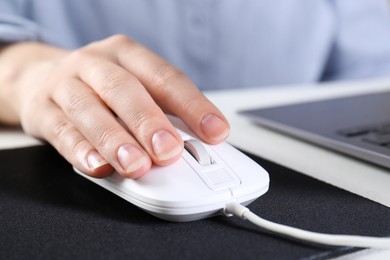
x: 342, y: 171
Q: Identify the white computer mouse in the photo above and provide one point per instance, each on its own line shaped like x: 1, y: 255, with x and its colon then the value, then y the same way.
x: 197, y: 186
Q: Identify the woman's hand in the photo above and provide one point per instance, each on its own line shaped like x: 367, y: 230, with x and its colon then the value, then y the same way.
x: 74, y: 99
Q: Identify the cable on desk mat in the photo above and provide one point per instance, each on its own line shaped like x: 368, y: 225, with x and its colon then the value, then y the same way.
x: 243, y: 212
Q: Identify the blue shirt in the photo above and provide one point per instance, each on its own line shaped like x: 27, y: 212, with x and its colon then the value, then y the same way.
x: 223, y: 44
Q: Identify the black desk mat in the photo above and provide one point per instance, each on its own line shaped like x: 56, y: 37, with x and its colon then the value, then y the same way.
x: 49, y: 212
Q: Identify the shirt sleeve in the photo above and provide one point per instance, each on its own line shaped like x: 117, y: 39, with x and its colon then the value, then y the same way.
x: 14, y: 23
x: 362, y: 40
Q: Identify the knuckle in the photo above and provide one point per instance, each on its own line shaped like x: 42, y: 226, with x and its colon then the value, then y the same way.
x: 84, y: 53
x: 191, y: 105
x: 111, y: 81
x: 61, y: 129
x: 144, y: 118
x: 163, y: 74
x: 119, y: 39
x: 67, y: 140
x: 75, y: 147
x: 77, y: 103
x: 104, y: 136
x: 61, y: 135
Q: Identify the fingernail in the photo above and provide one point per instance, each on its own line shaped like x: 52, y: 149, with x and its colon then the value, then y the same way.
x: 214, y: 127
x: 165, y: 145
x: 131, y: 158
x: 95, y: 160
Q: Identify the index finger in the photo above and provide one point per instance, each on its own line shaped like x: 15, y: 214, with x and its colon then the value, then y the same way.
x: 173, y: 91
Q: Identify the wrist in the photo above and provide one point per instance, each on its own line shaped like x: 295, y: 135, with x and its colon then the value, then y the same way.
x: 22, y: 66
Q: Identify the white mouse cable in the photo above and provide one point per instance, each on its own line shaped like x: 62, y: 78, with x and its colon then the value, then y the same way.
x: 243, y: 212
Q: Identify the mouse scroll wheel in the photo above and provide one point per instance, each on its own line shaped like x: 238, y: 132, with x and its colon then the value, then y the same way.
x: 198, y: 151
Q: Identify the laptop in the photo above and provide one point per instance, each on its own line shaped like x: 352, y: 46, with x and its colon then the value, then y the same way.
x: 358, y: 126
